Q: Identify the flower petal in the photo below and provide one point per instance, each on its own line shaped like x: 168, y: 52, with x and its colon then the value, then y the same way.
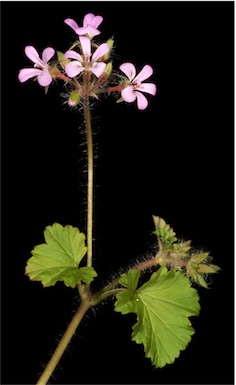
x: 141, y: 101
x: 150, y: 88
x: 47, y: 54
x: 128, y: 94
x: 144, y: 74
x: 33, y: 55
x: 73, y: 55
x: 86, y: 46
x: 91, y: 31
x: 74, y: 68
x: 129, y: 70
x: 91, y: 19
x: 98, y: 69
x: 44, y: 78
x: 81, y: 31
x: 71, y: 24
x: 27, y: 73
x: 100, y: 51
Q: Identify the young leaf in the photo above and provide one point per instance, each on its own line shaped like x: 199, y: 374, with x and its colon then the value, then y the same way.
x: 165, y: 233
x: 58, y: 258
x: 163, y: 305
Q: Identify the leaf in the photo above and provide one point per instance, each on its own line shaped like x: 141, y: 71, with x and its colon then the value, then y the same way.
x: 130, y: 280
x: 165, y: 233
x: 58, y: 258
x: 163, y: 305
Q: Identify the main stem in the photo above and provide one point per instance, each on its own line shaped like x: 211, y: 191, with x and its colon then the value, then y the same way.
x: 88, y: 300
x: 90, y: 182
x: 84, y: 306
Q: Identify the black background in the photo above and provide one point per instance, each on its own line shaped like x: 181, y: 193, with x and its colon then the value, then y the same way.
x: 174, y: 159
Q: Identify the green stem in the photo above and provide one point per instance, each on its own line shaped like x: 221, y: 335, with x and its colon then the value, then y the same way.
x: 88, y: 301
x: 100, y: 296
x: 90, y: 181
x: 84, y: 306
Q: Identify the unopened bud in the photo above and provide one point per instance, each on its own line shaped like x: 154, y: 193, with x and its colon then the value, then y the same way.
x: 74, y: 98
x: 108, y: 70
x: 207, y: 269
x: 196, y: 277
x: 110, y: 43
x: 62, y: 60
x: 106, y: 73
x: 201, y: 281
x: 198, y: 258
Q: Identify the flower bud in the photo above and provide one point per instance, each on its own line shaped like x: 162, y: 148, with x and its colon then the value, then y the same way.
x: 198, y: 258
x: 108, y: 70
x: 106, y: 73
x: 74, y: 98
x: 207, y: 269
x: 63, y: 61
x: 110, y: 43
x: 196, y: 277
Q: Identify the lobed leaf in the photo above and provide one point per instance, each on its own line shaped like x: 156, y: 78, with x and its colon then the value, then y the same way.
x: 163, y: 305
x: 58, y: 258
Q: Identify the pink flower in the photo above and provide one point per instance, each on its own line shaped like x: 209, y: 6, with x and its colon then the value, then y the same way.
x: 40, y: 69
x: 90, y: 24
x: 135, y: 87
x: 84, y: 63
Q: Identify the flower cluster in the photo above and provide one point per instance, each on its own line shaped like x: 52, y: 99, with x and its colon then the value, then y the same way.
x: 86, y: 68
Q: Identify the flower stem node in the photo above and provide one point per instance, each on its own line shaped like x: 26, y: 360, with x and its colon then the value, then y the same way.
x: 74, y: 98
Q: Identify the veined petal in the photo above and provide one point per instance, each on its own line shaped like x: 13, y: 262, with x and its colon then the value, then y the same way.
x: 144, y: 74
x: 150, y: 88
x: 128, y: 94
x: 141, y: 101
x: 33, y: 55
x: 71, y: 24
x: 44, y: 78
x: 129, y: 70
x: 91, y: 19
x: 100, y: 51
x: 47, y: 54
x: 27, y: 73
x: 74, y: 68
x: 98, y: 69
x: 73, y: 55
x: 86, y: 46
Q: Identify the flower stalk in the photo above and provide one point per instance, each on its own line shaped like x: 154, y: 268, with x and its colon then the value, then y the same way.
x: 90, y: 181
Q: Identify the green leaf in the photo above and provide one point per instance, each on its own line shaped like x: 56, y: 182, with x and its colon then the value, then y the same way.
x: 58, y: 258
x: 165, y: 233
x: 130, y: 280
x: 163, y: 305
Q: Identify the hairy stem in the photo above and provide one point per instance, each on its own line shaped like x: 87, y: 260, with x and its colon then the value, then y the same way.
x: 88, y: 300
x: 84, y: 306
x: 110, y: 288
x: 90, y: 182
